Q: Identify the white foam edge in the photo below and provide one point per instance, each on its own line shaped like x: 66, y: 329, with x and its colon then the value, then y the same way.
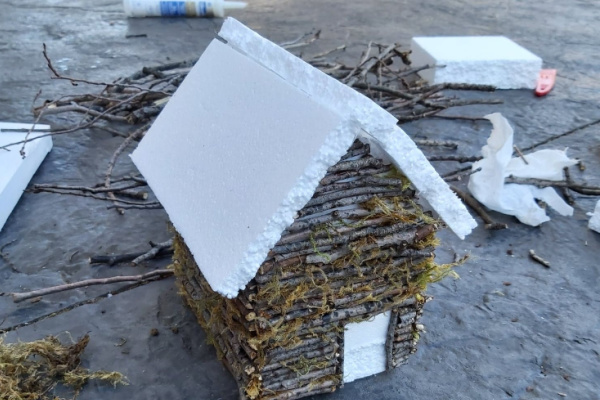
x: 407, y: 157
x: 35, y: 150
x: 320, y: 87
x: 336, y: 144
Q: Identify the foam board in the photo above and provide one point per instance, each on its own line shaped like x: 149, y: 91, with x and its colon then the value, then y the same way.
x: 320, y: 87
x: 486, y: 60
x: 375, y: 121
x: 364, y: 347
x: 16, y: 171
x: 233, y: 156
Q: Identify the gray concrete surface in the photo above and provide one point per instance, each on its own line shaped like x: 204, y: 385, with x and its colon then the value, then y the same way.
x: 535, y: 339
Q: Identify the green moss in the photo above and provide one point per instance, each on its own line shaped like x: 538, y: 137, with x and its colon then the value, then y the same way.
x: 30, y: 370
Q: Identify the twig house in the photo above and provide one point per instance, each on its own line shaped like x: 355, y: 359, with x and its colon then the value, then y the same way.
x: 300, y: 244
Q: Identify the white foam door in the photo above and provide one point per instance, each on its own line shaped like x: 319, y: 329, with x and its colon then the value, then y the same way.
x: 364, y: 347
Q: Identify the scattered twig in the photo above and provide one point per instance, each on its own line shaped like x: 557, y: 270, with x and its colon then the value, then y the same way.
x: 460, y: 176
x: 118, y: 202
x: 154, y: 251
x: 518, y: 151
x: 565, y: 190
x: 460, y: 117
x: 442, y: 143
x: 19, y: 297
x: 113, y: 160
x: 555, y: 137
x: 575, y: 187
x: 73, y: 306
x: 538, y: 259
x: 147, y: 206
x: 123, y: 258
x: 40, y: 187
x: 460, y: 159
x: 303, y: 40
x: 474, y: 204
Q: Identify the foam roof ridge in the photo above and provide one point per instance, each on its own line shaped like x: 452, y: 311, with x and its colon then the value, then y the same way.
x: 335, y: 146
x: 412, y: 162
x: 323, y: 89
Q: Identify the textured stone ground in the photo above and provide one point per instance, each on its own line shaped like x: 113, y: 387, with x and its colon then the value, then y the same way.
x: 484, y: 340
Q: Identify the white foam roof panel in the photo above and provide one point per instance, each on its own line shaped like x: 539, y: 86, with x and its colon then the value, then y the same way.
x: 15, y: 170
x: 244, y: 142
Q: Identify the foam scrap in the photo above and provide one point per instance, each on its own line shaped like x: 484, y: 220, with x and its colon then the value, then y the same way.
x: 594, y: 223
x: 15, y: 170
x: 488, y: 185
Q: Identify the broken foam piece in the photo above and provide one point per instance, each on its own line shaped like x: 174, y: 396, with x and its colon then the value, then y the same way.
x: 594, y: 223
x: 15, y: 170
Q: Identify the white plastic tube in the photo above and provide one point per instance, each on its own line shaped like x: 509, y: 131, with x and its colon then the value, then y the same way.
x: 196, y: 8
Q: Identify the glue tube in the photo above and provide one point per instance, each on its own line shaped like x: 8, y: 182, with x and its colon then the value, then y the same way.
x: 196, y: 8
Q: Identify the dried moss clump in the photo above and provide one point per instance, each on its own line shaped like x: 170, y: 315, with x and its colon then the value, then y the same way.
x: 30, y: 370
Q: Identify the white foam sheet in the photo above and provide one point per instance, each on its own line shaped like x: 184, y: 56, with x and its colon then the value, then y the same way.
x: 16, y: 171
x: 233, y: 156
x: 364, y: 347
x: 320, y: 87
x: 594, y: 223
x: 487, y: 60
x: 347, y: 102
x: 488, y: 185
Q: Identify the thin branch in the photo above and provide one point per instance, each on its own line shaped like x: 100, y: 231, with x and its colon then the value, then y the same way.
x: 538, y: 259
x: 569, y: 132
x: 75, y: 81
x: 474, y: 204
x: 153, y: 252
x: 42, y: 186
x: 94, y: 196
x: 19, y: 297
x: 518, y: 151
x: 460, y: 176
x: 81, y: 109
x: 460, y: 159
x: 113, y: 160
x: 579, y: 188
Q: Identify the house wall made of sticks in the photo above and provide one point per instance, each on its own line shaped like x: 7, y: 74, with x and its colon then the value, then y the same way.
x: 360, y: 247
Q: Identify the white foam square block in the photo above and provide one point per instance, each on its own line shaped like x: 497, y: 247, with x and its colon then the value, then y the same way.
x: 486, y: 60
x: 364, y: 347
x: 233, y: 156
x: 16, y: 171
